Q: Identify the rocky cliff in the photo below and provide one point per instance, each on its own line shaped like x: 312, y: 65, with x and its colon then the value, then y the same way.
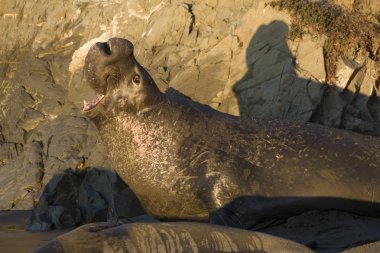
x: 234, y: 55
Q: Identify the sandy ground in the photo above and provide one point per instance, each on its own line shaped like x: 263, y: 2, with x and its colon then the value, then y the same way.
x: 15, y: 239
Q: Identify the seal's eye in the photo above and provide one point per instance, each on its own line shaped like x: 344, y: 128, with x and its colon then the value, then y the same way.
x: 136, y: 79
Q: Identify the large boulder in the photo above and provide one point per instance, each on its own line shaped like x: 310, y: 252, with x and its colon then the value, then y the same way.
x: 73, y: 198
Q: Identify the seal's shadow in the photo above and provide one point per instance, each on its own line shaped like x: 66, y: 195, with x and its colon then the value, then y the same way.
x: 272, y: 88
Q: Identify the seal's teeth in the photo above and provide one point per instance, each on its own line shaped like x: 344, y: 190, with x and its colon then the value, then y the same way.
x: 86, y: 104
x: 99, y: 96
x: 89, y: 104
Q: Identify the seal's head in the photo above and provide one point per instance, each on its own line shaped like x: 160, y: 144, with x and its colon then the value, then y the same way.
x: 120, y: 81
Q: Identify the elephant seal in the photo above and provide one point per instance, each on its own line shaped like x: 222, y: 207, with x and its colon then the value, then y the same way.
x: 167, y: 237
x: 187, y: 161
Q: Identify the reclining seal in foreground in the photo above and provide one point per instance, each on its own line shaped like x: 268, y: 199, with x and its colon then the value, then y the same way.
x: 167, y: 237
x: 185, y: 160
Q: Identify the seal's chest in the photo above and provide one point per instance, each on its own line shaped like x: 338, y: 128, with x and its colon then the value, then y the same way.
x: 140, y: 145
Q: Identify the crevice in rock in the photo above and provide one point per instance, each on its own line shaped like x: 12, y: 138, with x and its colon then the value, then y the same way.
x: 192, y: 21
x: 28, y: 93
x: 48, y: 145
x: 50, y: 73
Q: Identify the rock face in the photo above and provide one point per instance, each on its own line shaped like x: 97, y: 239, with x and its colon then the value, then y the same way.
x: 232, y: 55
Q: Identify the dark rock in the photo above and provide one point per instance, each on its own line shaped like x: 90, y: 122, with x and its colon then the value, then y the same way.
x: 57, y: 207
x: 72, y: 198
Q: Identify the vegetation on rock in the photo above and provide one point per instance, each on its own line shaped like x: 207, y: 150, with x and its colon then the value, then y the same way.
x: 348, y: 33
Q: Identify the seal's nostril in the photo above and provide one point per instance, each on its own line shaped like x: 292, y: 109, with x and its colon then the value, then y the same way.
x: 104, y: 48
x: 107, y: 80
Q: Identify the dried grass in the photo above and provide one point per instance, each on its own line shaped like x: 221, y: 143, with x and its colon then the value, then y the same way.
x: 348, y: 33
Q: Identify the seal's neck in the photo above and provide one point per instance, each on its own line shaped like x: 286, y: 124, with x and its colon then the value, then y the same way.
x: 155, y: 98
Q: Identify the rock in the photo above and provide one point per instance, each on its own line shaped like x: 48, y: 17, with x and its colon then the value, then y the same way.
x: 367, y: 88
x: 357, y: 124
x: 69, y: 142
x: 345, y: 70
x: 206, y: 85
x: 57, y: 207
x: 9, y: 151
x: 229, y: 105
x: 73, y: 198
x: 310, y: 58
x: 21, y: 179
x: 271, y: 89
x: 10, y: 191
x: 31, y: 119
x: 331, y: 109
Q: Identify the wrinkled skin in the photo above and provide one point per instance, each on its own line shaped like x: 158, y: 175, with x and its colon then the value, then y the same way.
x: 187, y: 161
x: 167, y: 237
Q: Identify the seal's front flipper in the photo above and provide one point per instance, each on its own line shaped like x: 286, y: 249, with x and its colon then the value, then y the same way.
x: 256, y: 213
x: 244, y: 212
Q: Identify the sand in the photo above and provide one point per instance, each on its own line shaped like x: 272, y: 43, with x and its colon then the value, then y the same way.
x: 15, y: 239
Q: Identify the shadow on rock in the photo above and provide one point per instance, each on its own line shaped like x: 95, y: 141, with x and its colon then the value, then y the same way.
x: 73, y: 198
x: 273, y: 88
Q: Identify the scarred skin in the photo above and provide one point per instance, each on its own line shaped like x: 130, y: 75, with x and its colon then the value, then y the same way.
x: 185, y: 160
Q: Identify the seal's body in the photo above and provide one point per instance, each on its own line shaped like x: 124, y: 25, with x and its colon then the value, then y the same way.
x: 167, y: 237
x: 187, y: 161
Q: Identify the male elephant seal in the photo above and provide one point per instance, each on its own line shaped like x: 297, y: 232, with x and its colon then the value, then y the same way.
x: 187, y: 161
x: 167, y: 237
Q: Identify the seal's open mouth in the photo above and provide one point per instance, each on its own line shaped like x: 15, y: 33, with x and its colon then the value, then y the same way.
x: 90, y: 104
x: 105, y: 66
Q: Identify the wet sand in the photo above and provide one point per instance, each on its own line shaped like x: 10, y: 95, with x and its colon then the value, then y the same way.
x: 15, y: 239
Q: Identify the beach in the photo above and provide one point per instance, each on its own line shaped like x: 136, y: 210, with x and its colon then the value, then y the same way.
x: 15, y: 239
